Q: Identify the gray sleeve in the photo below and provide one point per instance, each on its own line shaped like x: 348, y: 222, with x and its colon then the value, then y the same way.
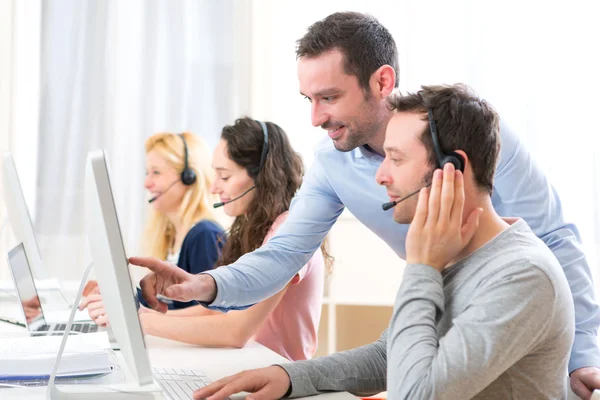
x: 360, y: 371
x: 495, y: 331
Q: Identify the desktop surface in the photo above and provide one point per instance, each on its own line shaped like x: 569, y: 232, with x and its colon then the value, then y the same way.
x: 216, y: 363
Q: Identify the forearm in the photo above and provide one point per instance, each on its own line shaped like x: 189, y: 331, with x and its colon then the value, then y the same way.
x: 413, y: 337
x: 232, y: 329
x: 254, y: 277
x: 194, y: 311
x: 210, y: 331
x: 360, y: 371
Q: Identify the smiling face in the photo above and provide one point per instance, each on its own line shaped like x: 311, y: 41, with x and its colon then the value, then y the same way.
x: 405, y: 168
x: 232, y: 181
x: 160, y: 175
x: 338, y: 104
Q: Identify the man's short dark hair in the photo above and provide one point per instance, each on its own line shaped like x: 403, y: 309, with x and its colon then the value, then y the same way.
x: 464, y: 122
x: 365, y: 44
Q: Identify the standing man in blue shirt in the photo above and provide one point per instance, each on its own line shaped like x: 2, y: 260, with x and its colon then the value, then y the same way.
x: 347, y: 66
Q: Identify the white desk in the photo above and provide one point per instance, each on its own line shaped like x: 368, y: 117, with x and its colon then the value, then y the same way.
x: 216, y: 363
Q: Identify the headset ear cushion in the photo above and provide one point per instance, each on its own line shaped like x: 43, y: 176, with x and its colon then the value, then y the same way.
x: 188, y: 177
x: 456, y: 159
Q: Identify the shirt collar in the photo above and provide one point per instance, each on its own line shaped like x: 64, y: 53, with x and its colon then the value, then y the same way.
x: 358, y: 152
x: 364, y: 152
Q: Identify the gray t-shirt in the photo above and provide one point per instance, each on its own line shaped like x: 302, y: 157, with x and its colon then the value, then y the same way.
x: 497, y: 325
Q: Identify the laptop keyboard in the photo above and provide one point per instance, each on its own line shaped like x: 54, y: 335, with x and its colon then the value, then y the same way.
x: 179, y: 384
x: 83, y: 328
x: 58, y: 329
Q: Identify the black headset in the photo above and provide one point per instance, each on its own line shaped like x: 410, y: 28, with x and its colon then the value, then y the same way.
x: 188, y: 176
x: 265, y: 148
x: 443, y: 158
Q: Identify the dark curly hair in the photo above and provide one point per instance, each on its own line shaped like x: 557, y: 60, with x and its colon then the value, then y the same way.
x: 276, y: 184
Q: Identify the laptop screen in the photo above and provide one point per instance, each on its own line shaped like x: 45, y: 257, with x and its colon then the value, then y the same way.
x: 25, y: 285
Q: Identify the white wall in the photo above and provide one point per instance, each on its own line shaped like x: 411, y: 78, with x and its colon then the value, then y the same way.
x: 19, y: 99
x: 6, y: 24
x: 26, y: 94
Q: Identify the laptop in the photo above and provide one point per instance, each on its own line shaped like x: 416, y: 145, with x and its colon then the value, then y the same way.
x: 30, y: 300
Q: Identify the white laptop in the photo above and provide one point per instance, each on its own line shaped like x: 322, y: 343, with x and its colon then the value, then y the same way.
x: 30, y: 301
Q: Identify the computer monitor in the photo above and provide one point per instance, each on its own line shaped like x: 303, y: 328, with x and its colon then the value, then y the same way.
x: 18, y: 215
x: 112, y: 268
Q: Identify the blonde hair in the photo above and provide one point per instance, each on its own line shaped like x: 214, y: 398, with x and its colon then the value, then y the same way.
x: 196, y: 205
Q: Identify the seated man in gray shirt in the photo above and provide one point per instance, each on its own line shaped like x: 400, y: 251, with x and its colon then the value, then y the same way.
x: 484, y: 309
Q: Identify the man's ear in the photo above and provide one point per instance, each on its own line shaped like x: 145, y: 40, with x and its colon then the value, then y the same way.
x: 383, y: 81
x: 465, y: 159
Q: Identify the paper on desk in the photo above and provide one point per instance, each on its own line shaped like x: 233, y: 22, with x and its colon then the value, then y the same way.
x: 41, y: 346
x: 34, y: 357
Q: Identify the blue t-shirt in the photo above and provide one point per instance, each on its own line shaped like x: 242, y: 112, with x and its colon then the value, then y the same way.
x: 199, y: 252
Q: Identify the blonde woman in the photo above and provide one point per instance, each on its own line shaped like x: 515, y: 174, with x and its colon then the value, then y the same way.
x: 181, y: 227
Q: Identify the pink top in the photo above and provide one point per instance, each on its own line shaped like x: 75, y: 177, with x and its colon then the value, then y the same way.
x: 291, y: 329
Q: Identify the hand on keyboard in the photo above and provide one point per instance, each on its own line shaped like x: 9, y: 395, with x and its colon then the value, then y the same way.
x: 272, y: 383
x: 96, y: 310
